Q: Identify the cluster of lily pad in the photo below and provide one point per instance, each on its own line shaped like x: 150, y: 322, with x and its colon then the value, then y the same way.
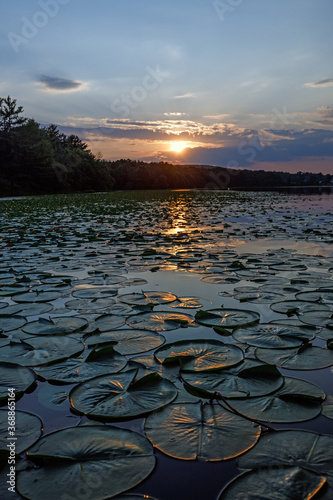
x: 66, y: 318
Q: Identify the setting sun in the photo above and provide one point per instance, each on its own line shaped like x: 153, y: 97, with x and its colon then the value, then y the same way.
x: 178, y: 147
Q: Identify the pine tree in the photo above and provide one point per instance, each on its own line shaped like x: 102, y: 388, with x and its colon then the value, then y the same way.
x: 9, y: 114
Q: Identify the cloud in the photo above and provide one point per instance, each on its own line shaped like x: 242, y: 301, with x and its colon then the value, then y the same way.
x: 222, y: 116
x: 326, y: 82
x: 189, y: 95
x: 59, y: 84
x: 175, y: 114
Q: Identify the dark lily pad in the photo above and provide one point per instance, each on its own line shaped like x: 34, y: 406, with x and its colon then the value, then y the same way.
x: 196, y: 431
x: 160, y: 321
x: 276, y: 483
x: 200, y: 355
x: 248, y: 379
x: 226, y: 318
x: 128, y: 342
x: 105, y: 461
x: 91, y: 363
x: 120, y: 396
x: 307, y: 357
x: 270, y: 336
x: 28, y: 429
x: 41, y: 350
x: 8, y: 323
x: 147, y: 298
x: 18, y: 377
x: 57, y: 326
x: 296, y: 401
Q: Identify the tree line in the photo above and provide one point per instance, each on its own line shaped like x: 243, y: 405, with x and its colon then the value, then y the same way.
x: 42, y: 160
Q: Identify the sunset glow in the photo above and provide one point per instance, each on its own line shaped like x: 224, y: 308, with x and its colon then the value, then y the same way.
x: 178, y: 147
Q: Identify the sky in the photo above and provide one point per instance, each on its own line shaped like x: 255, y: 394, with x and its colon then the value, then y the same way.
x: 237, y: 83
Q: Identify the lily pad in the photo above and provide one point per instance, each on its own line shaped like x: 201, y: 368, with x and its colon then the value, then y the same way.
x: 296, y: 401
x: 270, y: 336
x: 298, y: 307
x: 90, y: 292
x: 295, y: 448
x: 28, y: 429
x: 28, y: 309
x: 160, y: 321
x: 108, y: 322
x: 146, y: 298
x: 274, y: 483
x: 56, y: 326
x: 248, y: 379
x: 88, y: 305
x: 226, y: 318
x: 41, y: 350
x: 307, y: 357
x: 200, y: 355
x: 128, y: 342
x: 120, y: 396
x: 101, y: 460
x: 36, y: 297
x: 196, y: 431
x: 91, y: 363
x: 19, y: 377
x: 8, y: 322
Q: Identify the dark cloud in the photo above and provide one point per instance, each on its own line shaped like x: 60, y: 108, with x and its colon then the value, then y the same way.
x: 326, y: 82
x: 60, y: 84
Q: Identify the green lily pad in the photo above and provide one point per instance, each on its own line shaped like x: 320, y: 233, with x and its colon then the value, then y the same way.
x: 226, y: 318
x: 103, y: 461
x: 120, y: 396
x: 200, y: 355
x: 28, y: 429
x: 307, y: 357
x: 128, y: 342
x: 41, y: 350
x: 248, y: 379
x: 91, y: 363
x: 196, y: 431
x: 56, y: 326
x: 19, y: 377
x: 146, y: 298
x: 276, y: 483
x: 160, y: 321
x: 296, y: 401
x: 270, y: 336
x: 8, y: 323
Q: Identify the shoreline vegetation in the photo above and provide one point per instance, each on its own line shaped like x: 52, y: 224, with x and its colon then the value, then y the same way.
x: 36, y: 160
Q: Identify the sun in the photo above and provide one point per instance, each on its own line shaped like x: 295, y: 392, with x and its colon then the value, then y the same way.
x: 178, y: 147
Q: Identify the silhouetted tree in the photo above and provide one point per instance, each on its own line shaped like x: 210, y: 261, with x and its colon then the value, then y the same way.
x: 9, y: 114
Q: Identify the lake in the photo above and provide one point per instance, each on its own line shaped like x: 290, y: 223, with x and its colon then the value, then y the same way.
x: 91, y: 281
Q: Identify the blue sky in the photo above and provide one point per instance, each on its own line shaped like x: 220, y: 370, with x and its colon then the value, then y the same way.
x: 241, y: 82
